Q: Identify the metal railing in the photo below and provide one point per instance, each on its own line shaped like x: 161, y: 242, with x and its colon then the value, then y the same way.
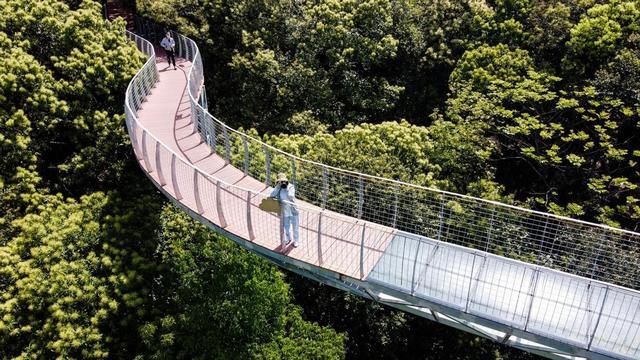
x: 438, y: 258
x: 590, y: 250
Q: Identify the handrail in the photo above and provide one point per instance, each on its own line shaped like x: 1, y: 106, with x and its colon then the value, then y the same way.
x: 605, y: 294
x: 393, y: 181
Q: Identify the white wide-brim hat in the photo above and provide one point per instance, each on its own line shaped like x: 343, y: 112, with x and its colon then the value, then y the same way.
x: 282, y: 177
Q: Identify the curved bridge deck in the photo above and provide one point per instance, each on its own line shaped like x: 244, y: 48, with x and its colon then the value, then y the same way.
x: 166, y: 113
x: 540, y: 310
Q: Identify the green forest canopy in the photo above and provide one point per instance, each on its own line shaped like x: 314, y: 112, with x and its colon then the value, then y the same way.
x: 548, y: 90
x: 93, y: 262
x: 533, y: 102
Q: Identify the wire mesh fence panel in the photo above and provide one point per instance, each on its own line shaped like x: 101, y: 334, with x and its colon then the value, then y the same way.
x: 502, y: 291
x: 572, y: 317
x: 618, y: 327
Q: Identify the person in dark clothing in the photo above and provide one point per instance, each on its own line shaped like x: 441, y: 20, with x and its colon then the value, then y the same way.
x: 169, y: 45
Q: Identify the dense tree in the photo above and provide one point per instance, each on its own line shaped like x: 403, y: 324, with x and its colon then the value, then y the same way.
x: 218, y: 301
x: 527, y: 101
x: 78, y: 277
x: 533, y: 102
x: 443, y: 156
x: 67, y: 72
x: 601, y: 33
x: 72, y: 283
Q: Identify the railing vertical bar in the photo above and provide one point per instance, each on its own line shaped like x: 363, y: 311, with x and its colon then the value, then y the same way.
x: 325, y: 187
x: 223, y: 221
x: 227, y: 146
x: 473, y: 267
x: 249, y: 220
x: 214, y: 133
x: 598, y: 252
x: 195, y: 118
x: 267, y: 155
x: 134, y: 141
x: 360, y: 197
x: 395, y: 206
x: 542, y: 237
x: 595, y: 328
x: 159, y: 165
x: 441, y: 220
x: 196, y: 192
x: 145, y: 154
x: 203, y: 97
x: 320, y: 238
x: 534, y: 285
x: 489, y: 231
x: 413, y: 273
x: 293, y: 171
x: 282, y: 240
x: 364, y: 229
x: 245, y: 145
x: 174, y: 178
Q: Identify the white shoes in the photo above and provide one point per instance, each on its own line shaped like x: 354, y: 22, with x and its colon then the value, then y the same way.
x: 288, y: 242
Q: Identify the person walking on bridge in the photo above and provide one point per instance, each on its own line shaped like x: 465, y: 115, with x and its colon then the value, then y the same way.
x: 169, y: 45
x: 285, y: 193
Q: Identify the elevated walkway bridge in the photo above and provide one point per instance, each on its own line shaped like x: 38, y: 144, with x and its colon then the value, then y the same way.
x: 550, y: 285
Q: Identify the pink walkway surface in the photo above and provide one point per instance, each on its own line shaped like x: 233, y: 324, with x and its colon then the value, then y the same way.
x: 166, y: 114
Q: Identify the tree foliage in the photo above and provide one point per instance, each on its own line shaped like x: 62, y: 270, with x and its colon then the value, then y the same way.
x: 534, y: 102
x: 218, y: 301
x: 78, y: 274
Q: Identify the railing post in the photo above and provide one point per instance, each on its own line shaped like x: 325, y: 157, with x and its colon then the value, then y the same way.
x: 196, y: 192
x: 137, y: 99
x: 597, y: 257
x: 267, y: 155
x: 493, y: 214
x: 364, y: 229
x: 214, y: 136
x: 159, y: 165
x: 427, y: 264
x: 174, y: 178
x: 320, y: 239
x: 441, y: 220
x: 413, y: 273
x: 223, y: 221
x: 325, y: 187
x: 188, y: 47
x: 195, y: 119
x: 282, y: 240
x: 595, y: 328
x: 470, y: 294
x: 395, y: 207
x: 134, y: 140
x: 203, y: 98
x: 145, y: 155
x: 245, y: 145
x: 544, y: 233
x: 534, y: 285
x: 249, y: 222
x: 360, y: 197
x: 227, y: 147
x: 473, y: 267
x: 293, y: 171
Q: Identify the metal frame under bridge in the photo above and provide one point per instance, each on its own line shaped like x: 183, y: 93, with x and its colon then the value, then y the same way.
x: 554, y: 286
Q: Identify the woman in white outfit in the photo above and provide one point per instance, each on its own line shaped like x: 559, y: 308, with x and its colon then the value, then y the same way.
x: 285, y: 193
